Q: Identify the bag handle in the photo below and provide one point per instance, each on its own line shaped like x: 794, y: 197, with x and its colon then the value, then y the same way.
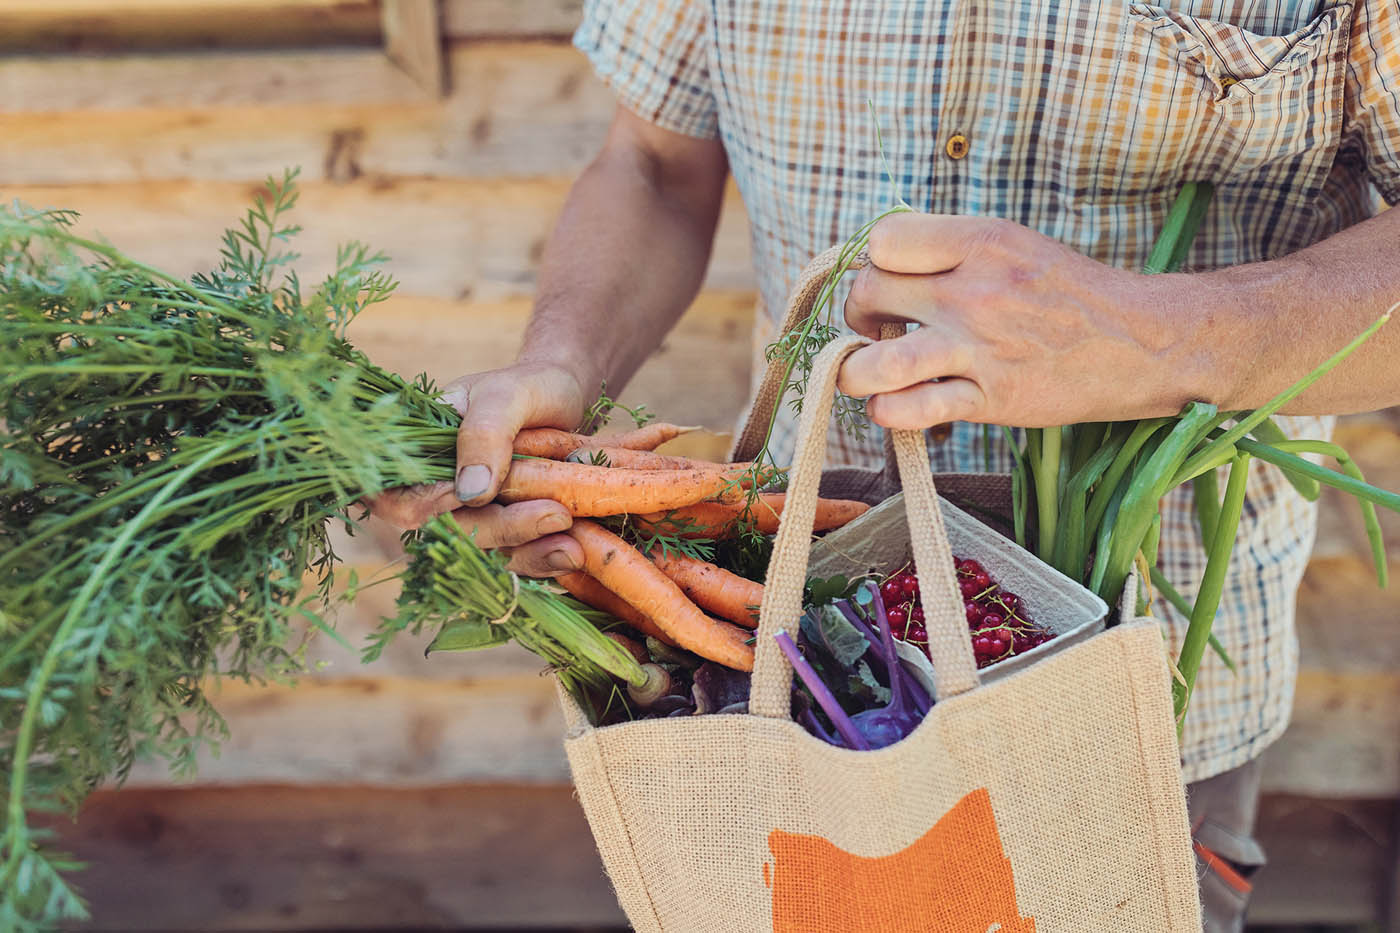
x: 809, y: 286
x: 950, y: 647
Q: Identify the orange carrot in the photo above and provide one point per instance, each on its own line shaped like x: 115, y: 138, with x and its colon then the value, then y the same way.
x: 712, y: 588
x: 550, y: 443
x: 647, y: 437
x: 554, y: 444
x: 588, y: 590
x: 629, y: 459
x: 716, y: 519
x: 624, y: 570
x: 593, y: 491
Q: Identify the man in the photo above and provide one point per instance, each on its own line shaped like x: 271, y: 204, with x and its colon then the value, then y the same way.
x: 1042, y: 144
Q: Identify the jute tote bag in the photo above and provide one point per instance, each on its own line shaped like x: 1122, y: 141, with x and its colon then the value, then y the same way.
x: 1047, y: 800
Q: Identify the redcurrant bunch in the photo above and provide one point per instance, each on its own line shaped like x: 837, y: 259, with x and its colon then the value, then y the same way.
x: 997, y: 618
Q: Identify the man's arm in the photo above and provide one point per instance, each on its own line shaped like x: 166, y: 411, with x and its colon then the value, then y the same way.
x: 626, y: 258
x: 1021, y: 330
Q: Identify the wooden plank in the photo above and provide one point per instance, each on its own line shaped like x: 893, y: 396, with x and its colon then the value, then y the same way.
x: 49, y: 83
x: 699, y: 375
x: 31, y: 26
x: 518, y: 109
x: 478, y: 856
x: 472, y: 19
x: 446, y: 239
x: 280, y: 858
x: 413, y: 42
x: 391, y: 731
x: 1344, y: 740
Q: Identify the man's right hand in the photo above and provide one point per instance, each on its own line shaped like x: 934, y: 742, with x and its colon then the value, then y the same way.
x: 495, y: 406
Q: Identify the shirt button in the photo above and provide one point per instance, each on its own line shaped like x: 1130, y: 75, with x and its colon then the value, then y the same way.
x: 957, y: 146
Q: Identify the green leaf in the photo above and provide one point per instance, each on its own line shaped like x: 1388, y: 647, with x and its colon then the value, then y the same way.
x: 468, y: 635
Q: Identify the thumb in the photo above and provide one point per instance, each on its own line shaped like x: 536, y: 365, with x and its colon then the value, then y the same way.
x: 498, y: 405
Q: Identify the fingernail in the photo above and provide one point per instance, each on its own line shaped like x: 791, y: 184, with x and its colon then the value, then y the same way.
x: 552, y: 524
x: 472, y: 481
x: 560, y: 560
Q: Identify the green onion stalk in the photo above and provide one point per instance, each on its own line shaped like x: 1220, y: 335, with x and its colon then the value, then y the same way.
x: 171, y: 455
x: 1086, y: 498
x: 1106, y: 517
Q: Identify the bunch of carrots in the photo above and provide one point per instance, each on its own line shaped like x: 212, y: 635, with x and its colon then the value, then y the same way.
x: 655, y: 500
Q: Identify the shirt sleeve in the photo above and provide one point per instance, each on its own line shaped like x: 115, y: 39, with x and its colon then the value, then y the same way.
x: 654, y: 54
x: 1372, y: 110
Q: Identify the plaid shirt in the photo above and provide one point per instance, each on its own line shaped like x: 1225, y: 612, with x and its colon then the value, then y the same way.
x: 1080, y: 119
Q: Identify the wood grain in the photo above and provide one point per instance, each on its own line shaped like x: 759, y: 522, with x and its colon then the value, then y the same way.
x: 464, y: 240
x: 85, y: 26
x: 342, y: 858
x: 516, y: 110
x: 476, y: 857
x: 58, y: 83
x: 413, y: 41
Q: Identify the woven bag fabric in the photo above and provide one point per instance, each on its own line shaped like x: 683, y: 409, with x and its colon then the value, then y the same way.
x: 1047, y: 800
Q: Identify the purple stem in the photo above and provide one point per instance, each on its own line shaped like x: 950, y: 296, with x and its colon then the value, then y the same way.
x: 813, y: 725
x: 918, y: 696
x: 887, y: 640
x: 821, y: 693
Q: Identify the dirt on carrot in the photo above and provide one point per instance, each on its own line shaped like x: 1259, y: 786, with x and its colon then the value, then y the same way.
x: 632, y: 576
x: 596, y: 491
x: 588, y: 590
x: 717, y: 519
x: 712, y: 588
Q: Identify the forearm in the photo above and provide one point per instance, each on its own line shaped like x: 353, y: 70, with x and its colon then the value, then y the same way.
x: 1254, y: 330
x: 626, y: 257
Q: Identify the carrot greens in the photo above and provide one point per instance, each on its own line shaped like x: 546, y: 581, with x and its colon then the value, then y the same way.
x: 171, y: 454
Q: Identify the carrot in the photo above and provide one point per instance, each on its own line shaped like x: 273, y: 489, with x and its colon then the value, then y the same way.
x: 550, y: 443
x: 647, y: 437
x: 629, y: 459
x: 593, y: 491
x: 716, y: 519
x: 588, y: 590
x: 712, y: 588
x: 628, y: 573
x: 554, y: 444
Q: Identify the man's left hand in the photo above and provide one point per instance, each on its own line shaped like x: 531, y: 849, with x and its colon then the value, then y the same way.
x: 1014, y: 328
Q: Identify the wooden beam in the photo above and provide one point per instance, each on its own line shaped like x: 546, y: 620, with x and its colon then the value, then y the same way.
x: 517, y: 109
x: 413, y: 41
x: 386, y: 730
x: 493, y: 856
x: 31, y: 26
x: 463, y: 240
x: 279, y: 858
x: 475, y: 19
x: 59, y: 83
x: 1344, y: 740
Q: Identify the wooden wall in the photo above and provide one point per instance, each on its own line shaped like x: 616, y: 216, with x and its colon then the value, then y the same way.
x: 433, y: 793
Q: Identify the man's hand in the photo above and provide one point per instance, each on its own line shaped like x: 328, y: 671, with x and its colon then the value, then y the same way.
x: 495, y: 406
x: 1015, y: 328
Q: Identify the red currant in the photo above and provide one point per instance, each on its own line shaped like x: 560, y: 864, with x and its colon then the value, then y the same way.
x: 910, y: 587
x: 974, y: 611
x: 969, y: 587
x: 898, y: 619
x: 993, y: 619
x: 891, y: 592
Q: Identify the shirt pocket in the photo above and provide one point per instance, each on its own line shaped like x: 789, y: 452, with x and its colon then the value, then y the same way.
x: 1212, y: 101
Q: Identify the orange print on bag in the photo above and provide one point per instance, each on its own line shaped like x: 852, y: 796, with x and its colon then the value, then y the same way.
x: 953, y: 879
